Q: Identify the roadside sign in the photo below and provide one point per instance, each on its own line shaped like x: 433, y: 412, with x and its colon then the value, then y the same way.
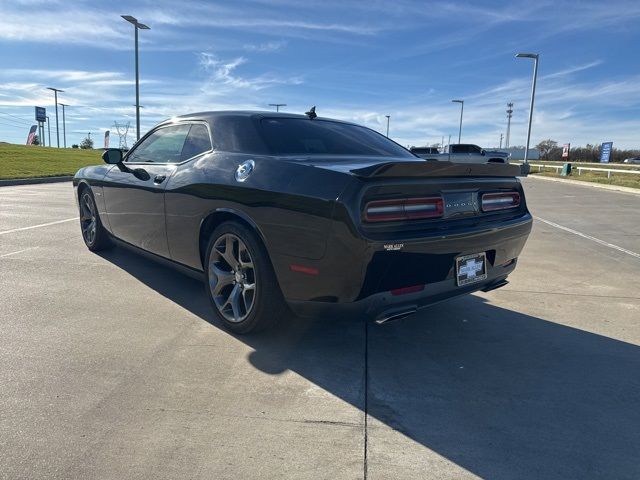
x: 565, y: 150
x: 605, y: 152
x: 41, y: 114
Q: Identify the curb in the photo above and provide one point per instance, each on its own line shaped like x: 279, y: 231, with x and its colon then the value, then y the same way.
x: 614, y: 188
x: 31, y: 181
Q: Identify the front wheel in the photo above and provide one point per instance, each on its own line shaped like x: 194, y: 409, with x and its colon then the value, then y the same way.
x: 94, y: 234
x: 241, y: 283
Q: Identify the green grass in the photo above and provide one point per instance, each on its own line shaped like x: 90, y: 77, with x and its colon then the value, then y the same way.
x: 24, y: 161
x: 619, y: 179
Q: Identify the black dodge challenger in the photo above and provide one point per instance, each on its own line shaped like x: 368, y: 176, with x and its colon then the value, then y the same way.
x: 281, y: 212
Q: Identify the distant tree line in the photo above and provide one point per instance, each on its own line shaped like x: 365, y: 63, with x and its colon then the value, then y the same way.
x: 550, y: 150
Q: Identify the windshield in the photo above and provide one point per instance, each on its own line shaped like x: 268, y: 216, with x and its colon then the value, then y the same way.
x: 300, y: 136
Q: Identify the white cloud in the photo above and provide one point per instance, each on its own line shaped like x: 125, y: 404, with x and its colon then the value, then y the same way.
x: 222, y: 74
x: 265, y: 47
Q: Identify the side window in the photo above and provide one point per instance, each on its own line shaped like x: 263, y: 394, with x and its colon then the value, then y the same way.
x: 197, y: 142
x: 165, y: 145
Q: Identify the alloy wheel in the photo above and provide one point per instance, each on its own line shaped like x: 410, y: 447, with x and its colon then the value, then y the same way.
x: 232, y: 278
x: 88, y: 218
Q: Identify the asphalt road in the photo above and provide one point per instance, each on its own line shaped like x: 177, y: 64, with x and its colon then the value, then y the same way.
x: 112, y: 366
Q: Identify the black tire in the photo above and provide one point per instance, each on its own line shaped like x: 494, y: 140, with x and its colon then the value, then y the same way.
x: 230, y: 275
x: 95, y: 236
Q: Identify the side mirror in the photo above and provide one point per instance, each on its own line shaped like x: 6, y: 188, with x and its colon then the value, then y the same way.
x: 482, y: 152
x: 112, y: 156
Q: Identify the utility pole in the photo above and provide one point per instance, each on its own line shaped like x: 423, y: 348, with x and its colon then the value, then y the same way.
x: 55, y: 93
x: 64, y: 126
x: 509, y: 115
x: 388, y: 117
x: 136, y: 26
x: 277, y: 105
x: 500, y: 140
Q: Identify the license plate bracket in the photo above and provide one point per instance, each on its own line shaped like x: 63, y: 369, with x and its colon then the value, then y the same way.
x: 471, y: 269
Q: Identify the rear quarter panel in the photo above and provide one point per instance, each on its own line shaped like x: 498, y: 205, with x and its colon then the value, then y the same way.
x: 290, y: 204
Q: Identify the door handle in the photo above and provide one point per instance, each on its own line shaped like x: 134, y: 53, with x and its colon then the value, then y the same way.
x: 159, y: 179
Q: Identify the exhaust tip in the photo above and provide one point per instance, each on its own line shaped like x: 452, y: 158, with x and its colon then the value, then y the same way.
x: 496, y: 285
x: 395, y: 315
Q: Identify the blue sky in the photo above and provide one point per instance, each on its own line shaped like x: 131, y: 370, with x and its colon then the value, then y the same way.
x: 356, y: 61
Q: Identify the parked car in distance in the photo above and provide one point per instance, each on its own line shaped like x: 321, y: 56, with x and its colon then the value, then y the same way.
x: 635, y: 160
x: 465, y: 153
x: 278, y: 212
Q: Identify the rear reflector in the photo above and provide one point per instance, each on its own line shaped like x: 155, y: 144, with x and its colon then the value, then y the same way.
x: 403, y: 209
x: 500, y: 201
x: 304, y: 269
x: 406, y: 290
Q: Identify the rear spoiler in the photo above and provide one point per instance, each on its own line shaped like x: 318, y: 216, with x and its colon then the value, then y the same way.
x: 441, y: 169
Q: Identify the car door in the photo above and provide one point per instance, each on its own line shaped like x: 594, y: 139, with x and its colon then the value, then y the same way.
x: 134, y: 191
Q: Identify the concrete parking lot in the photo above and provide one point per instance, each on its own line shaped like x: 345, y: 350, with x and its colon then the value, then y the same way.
x: 112, y: 366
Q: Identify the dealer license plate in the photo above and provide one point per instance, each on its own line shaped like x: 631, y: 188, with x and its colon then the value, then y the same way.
x: 471, y: 269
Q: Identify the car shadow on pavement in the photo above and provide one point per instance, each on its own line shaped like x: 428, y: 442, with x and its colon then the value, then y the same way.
x: 500, y: 393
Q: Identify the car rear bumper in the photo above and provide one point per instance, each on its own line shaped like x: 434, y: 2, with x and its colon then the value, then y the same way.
x: 366, y: 270
x: 389, y: 305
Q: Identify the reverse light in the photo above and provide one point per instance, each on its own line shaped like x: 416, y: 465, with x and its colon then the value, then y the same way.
x: 406, y: 290
x: 500, y: 201
x: 403, y: 209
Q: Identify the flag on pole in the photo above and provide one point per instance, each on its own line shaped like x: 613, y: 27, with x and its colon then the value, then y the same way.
x: 32, y: 134
x: 106, y: 139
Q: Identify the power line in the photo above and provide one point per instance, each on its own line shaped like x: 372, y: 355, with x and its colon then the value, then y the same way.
x: 14, y: 122
x: 14, y: 116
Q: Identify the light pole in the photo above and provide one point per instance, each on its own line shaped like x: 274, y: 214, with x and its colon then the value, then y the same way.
x: 48, y: 128
x: 136, y: 26
x: 533, y: 95
x: 501, y: 140
x: 388, y: 117
x: 277, y: 105
x: 55, y: 93
x: 64, y: 126
x: 461, y: 102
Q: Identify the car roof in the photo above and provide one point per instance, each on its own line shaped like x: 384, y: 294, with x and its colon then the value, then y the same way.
x: 212, y: 115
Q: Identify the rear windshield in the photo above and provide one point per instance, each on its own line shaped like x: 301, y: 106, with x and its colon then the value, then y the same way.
x: 300, y: 136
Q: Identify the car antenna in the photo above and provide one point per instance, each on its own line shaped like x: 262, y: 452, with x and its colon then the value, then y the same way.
x: 311, y: 113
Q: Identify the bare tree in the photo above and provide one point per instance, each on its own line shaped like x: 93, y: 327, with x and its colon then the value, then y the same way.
x: 545, y: 147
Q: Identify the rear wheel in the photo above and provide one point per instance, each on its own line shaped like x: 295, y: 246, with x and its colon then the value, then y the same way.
x: 93, y: 233
x: 241, y: 283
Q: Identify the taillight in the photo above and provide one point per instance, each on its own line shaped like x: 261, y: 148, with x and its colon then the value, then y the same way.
x: 403, y: 209
x: 500, y: 201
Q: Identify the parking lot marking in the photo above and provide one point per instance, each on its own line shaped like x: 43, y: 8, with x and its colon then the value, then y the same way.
x: 15, y: 253
x: 589, y: 237
x: 38, y: 226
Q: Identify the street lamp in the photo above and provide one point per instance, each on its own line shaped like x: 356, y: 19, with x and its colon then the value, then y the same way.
x: 388, y: 117
x: 277, y: 105
x: 55, y: 93
x: 533, y: 94
x: 64, y: 125
x: 136, y: 26
x: 461, y: 102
